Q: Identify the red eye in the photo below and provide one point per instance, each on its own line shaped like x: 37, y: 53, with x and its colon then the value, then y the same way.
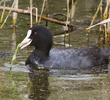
x: 35, y: 33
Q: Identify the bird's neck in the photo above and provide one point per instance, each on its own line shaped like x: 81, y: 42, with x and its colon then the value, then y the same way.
x: 41, y: 55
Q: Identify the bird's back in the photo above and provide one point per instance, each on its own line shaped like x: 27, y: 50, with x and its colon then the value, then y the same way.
x: 76, y: 58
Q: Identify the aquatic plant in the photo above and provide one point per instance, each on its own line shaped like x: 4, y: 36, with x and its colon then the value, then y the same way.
x: 6, y: 17
x: 104, y: 30
x: 14, y: 56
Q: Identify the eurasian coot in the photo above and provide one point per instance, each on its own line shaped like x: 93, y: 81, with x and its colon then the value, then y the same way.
x: 61, y: 58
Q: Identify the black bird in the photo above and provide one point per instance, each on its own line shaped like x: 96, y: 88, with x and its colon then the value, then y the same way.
x: 61, y: 58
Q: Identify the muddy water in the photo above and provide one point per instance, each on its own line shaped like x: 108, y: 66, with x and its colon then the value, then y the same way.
x: 53, y: 85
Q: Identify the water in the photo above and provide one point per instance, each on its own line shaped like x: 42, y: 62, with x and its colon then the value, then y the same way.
x: 53, y: 85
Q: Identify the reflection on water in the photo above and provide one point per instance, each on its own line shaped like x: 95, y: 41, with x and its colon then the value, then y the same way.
x: 45, y: 86
x: 14, y: 39
x: 40, y: 83
x: 68, y: 87
x: 54, y: 84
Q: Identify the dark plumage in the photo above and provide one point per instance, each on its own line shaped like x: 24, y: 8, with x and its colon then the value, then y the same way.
x: 58, y: 58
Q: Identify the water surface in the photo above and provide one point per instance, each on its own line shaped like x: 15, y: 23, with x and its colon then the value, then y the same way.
x: 43, y: 84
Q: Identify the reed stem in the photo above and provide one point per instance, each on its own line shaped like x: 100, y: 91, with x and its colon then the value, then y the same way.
x: 30, y: 13
x: 14, y: 13
x: 95, y: 15
x: 36, y: 15
x: 67, y: 22
x: 14, y: 56
x: 46, y: 12
x: 6, y: 17
x: 42, y: 11
x: 2, y: 15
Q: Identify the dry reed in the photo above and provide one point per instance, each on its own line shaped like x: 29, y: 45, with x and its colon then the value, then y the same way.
x: 30, y: 13
x: 2, y: 15
x: 6, y: 17
x: 14, y: 13
x: 44, y: 2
